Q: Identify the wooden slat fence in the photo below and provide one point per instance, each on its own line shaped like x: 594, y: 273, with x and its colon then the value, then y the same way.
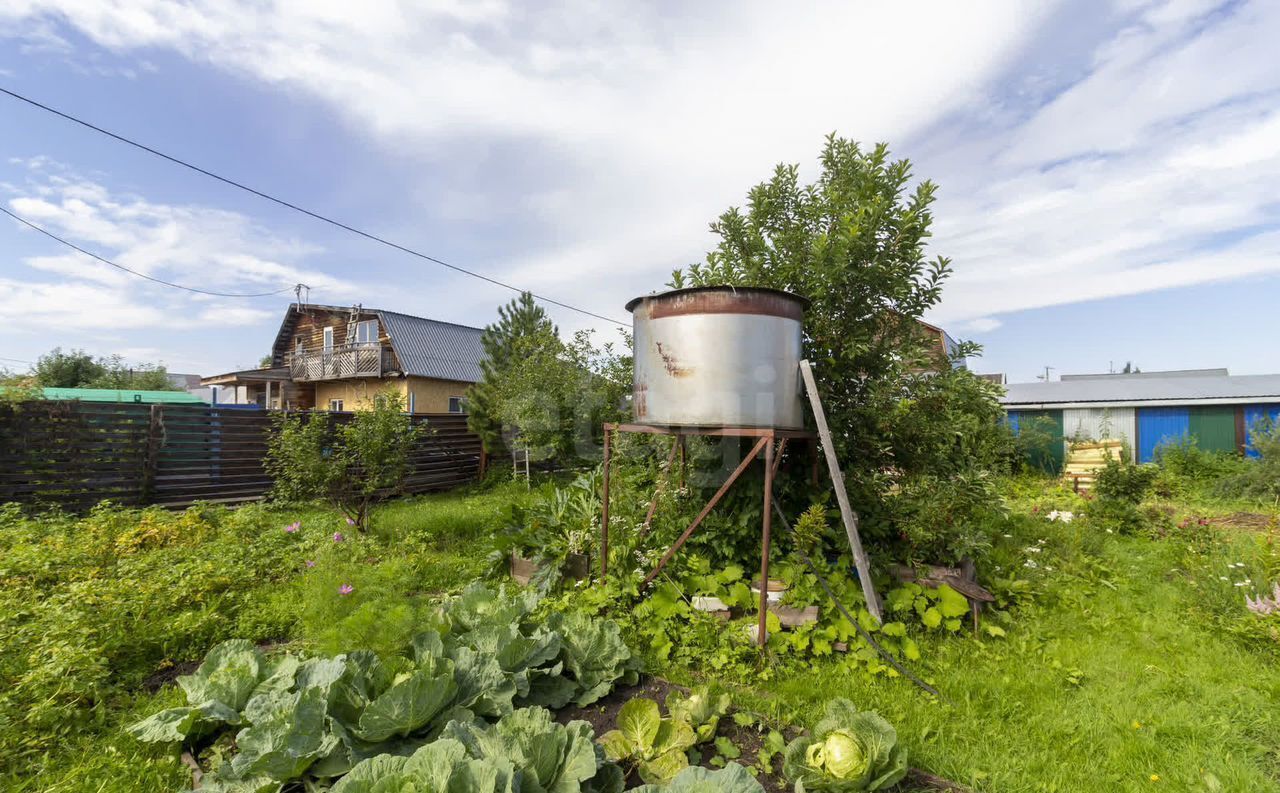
x: 75, y: 454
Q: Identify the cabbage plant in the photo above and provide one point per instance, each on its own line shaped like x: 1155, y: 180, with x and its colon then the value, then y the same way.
x: 653, y: 746
x: 849, y: 750
x: 701, y: 710
x: 733, y: 778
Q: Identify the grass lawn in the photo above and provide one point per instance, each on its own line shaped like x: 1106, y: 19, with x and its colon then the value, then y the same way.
x: 1112, y: 685
x: 1119, y: 675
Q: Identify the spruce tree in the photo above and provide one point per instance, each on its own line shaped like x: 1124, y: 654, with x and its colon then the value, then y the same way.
x: 520, y: 322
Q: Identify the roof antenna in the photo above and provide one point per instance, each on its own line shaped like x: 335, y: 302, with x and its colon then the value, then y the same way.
x: 297, y: 291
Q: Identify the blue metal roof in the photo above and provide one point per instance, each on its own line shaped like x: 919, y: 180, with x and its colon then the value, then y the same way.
x: 429, y: 348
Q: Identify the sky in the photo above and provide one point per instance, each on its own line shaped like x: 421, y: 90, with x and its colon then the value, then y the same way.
x: 1107, y: 172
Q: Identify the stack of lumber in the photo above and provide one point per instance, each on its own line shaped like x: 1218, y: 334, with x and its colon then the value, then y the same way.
x: 1084, y: 459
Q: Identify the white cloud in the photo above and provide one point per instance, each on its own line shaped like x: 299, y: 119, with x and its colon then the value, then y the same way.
x: 638, y: 124
x: 1141, y: 155
x: 977, y: 325
x: 1157, y: 170
x: 195, y: 246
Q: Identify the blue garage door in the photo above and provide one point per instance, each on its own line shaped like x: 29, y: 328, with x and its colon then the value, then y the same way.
x: 1251, y: 414
x: 1160, y: 425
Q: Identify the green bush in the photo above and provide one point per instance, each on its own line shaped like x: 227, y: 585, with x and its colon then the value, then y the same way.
x: 943, y: 520
x: 1121, y: 480
x: 1260, y: 478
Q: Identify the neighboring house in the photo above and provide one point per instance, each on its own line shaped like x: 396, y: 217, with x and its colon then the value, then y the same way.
x: 191, y: 384
x: 941, y: 343
x: 339, y: 359
x: 1147, y: 409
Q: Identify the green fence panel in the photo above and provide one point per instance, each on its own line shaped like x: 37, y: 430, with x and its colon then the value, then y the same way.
x: 1214, y: 427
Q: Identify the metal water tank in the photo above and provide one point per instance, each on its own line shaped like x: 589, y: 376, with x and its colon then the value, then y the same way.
x: 718, y: 357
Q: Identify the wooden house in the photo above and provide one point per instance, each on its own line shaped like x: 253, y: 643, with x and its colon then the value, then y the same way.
x: 340, y: 358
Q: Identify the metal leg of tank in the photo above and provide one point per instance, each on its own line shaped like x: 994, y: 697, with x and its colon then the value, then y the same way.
x: 777, y: 457
x: 680, y: 441
x: 661, y: 485
x: 604, y: 511
x: 762, y: 633
x: 764, y: 441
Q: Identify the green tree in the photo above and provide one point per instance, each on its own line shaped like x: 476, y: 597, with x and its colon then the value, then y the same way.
x: 354, y: 466
x: 143, y: 377
x: 523, y: 329
x: 853, y: 243
x: 74, y: 369
x: 555, y: 396
x: 78, y: 369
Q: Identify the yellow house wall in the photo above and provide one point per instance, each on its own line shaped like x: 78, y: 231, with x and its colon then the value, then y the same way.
x: 429, y: 396
x: 355, y: 394
x: 432, y: 396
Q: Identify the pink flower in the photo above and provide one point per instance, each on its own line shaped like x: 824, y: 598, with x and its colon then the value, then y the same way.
x: 337, y: 536
x: 346, y: 589
x: 292, y: 528
x: 311, y: 563
x: 350, y: 522
x: 1035, y: 510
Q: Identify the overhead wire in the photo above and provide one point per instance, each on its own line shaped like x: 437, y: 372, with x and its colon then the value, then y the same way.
x: 106, y: 261
x: 295, y: 207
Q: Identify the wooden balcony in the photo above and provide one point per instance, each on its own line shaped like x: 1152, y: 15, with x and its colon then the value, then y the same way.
x: 342, y: 362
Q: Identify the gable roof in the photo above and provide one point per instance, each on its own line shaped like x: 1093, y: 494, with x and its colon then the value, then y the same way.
x: 425, y: 347
x: 429, y: 348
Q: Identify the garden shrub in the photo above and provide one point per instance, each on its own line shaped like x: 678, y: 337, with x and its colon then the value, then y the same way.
x: 353, y: 466
x: 1121, y: 480
x: 943, y: 520
x: 1259, y: 478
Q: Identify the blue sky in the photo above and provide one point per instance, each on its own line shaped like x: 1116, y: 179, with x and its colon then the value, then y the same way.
x: 1107, y: 171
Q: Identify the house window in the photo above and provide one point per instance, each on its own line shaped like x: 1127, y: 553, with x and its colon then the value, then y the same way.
x: 457, y: 404
x: 367, y: 332
x: 335, y: 405
x: 328, y: 339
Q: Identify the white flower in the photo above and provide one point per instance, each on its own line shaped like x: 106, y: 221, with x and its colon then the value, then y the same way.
x: 1223, y: 578
x: 1033, y: 549
x: 1030, y: 563
x: 1008, y: 536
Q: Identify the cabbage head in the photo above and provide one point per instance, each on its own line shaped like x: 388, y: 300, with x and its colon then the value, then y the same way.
x: 849, y: 750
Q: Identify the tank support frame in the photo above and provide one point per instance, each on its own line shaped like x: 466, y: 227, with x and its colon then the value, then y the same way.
x: 771, y: 442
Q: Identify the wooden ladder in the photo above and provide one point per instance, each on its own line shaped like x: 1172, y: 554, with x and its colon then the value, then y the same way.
x: 352, y: 319
x: 847, y: 514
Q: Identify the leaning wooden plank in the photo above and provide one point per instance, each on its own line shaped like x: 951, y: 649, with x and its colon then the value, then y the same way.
x: 837, y: 480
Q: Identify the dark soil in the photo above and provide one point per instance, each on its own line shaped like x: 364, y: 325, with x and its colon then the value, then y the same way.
x: 749, y: 740
x: 167, y: 674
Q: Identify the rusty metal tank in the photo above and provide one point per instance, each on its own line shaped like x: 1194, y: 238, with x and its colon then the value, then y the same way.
x: 718, y: 357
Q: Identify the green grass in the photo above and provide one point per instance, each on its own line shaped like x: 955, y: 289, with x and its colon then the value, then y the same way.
x: 91, y: 607
x: 1100, y: 690
x: 1125, y: 665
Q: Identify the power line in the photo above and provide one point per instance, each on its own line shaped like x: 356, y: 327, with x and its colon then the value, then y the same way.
x: 316, y: 215
x: 90, y: 254
x: 15, y: 360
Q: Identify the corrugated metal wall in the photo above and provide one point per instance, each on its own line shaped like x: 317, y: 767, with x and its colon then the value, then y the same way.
x: 1056, y: 455
x: 1160, y: 425
x: 1213, y: 427
x: 1095, y: 424
x: 1251, y: 414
